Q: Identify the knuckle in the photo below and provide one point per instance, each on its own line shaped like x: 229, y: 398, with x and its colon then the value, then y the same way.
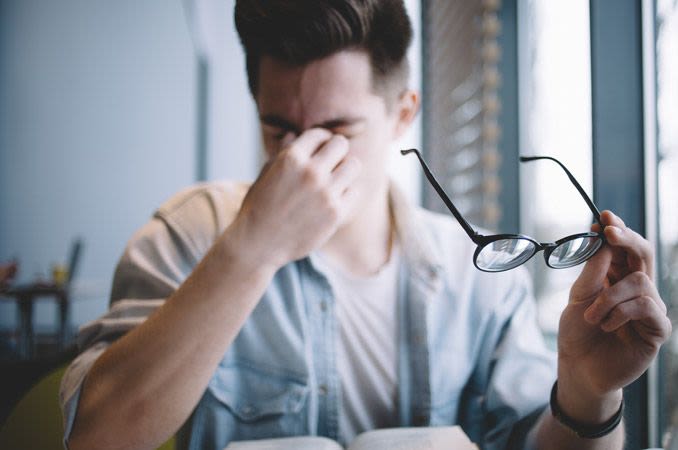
x: 340, y: 140
x: 315, y: 136
x: 618, y: 313
x: 640, y: 279
x: 319, y: 132
x: 662, y: 306
x: 327, y: 199
x: 290, y: 158
x: 645, y: 302
x: 338, y: 145
x: 604, y: 299
x: 646, y: 248
x: 310, y: 177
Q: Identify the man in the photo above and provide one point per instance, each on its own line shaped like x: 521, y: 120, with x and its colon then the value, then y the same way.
x: 317, y: 301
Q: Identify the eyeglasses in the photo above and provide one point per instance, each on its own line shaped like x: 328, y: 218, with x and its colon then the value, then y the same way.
x: 500, y: 252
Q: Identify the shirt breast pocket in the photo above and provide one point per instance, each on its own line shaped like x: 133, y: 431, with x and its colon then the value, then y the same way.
x: 248, y: 403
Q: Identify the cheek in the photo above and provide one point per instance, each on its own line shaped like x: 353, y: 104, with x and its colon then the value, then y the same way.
x: 371, y: 144
x: 371, y: 150
x: 359, y: 147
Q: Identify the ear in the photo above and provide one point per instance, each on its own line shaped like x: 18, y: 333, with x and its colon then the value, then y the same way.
x: 406, y: 109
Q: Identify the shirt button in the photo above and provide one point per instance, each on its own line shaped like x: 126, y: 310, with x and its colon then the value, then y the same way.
x: 322, y: 389
x: 418, y: 339
x: 323, y: 306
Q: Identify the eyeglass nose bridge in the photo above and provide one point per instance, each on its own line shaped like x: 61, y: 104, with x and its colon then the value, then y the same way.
x: 548, y: 248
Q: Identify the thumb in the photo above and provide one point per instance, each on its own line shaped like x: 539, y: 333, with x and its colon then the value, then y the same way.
x: 593, y: 277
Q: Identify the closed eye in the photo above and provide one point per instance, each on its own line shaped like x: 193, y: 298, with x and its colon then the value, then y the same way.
x: 349, y: 131
x: 277, y: 128
x: 277, y: 132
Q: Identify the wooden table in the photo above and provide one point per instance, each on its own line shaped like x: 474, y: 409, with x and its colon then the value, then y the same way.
x: 25, y: 296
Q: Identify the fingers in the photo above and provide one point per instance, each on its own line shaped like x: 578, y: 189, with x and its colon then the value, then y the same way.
x: 328, y: 164
x: 638, y: 250
x: 323, y: 161
x: 632, y: 295
x: 316, y: 148
x: 287, y: 139
x: 607, y: 217
x: 635, y: 298
x: 633, y: 286
x: 346, y: 172
x: 643, y: 309
x: 593, y: 279
x: 308, y: 142
x: 330, y: 154
x: 343, y: 177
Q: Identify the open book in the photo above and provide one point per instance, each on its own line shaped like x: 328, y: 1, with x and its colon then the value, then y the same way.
x: 429, y: 438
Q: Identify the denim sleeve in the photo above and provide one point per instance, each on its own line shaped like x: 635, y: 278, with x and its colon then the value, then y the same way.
x: 514, y: 376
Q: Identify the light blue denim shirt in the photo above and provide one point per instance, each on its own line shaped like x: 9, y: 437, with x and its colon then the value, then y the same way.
x: 469, y: 350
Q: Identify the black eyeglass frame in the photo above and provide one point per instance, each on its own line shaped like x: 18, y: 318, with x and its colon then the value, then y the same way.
x: 482, y: 241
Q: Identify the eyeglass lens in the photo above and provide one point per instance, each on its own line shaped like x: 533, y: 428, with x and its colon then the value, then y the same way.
x: 574, y: 251
x: 504, y: 254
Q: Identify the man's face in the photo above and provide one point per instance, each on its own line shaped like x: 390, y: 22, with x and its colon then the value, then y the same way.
x: 334, y: 93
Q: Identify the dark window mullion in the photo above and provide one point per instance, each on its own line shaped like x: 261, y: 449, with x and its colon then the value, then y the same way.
x: 618, y: 169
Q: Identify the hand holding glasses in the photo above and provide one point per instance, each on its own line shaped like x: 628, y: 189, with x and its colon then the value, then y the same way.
x: 500, y: 252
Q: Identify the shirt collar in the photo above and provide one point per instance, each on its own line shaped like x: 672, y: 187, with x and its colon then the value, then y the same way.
x: 418, y: 248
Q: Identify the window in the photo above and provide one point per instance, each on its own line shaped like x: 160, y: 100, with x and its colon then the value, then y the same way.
x: 555, y: 86
x: 667, y: 178
x: 462, y: 105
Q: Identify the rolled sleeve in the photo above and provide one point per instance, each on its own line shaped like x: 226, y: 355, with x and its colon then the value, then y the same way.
x: 157, y: 259
x: 71, y: 383
x: 151, y: 268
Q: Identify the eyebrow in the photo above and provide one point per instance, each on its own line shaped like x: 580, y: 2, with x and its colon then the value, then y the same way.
x: 277, y: 121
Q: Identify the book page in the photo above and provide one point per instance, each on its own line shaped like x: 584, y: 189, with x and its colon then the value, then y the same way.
x: 428, y: 438
x: 289, y: 443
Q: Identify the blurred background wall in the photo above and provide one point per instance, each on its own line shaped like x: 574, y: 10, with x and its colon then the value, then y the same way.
x: 102, y: 118
x: 97, y: 120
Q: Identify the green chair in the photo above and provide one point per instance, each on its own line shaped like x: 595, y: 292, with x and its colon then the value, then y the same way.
x: 36, y: 422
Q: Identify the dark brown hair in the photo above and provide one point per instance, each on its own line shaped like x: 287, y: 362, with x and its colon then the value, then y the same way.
x: 301, y: 31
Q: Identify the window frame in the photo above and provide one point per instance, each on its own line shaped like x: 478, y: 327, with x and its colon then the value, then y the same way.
x: 621, y: 142
x: 624, y: 147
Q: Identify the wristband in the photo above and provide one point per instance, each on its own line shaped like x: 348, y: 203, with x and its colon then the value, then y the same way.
x: 584, y: 430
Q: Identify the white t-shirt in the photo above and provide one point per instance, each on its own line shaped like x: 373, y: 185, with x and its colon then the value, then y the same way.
x: 367, y: 346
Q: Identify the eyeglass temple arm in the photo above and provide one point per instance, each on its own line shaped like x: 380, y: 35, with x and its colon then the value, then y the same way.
x: 587, y: 199
x: 464, y: 224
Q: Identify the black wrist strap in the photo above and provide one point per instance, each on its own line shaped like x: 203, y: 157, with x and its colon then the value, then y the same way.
x: 584, y: 430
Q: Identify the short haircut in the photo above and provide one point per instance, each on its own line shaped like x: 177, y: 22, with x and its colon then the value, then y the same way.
x: 298, y: 32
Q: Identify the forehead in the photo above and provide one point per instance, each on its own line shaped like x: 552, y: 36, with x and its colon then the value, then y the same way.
x: 338, y: 85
